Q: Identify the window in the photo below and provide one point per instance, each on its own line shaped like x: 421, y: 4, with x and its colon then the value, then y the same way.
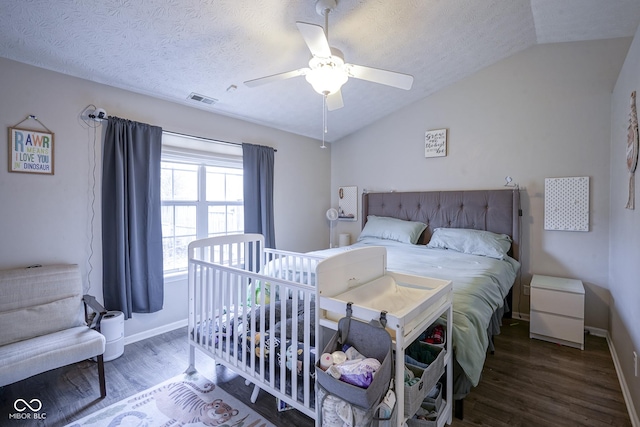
x: 202, y: 196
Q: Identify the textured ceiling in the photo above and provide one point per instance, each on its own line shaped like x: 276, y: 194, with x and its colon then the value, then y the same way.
x: 171, y: 48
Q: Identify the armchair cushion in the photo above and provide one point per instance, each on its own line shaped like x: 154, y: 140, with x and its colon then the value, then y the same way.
x: 38, y: 301
x: 24, y: 359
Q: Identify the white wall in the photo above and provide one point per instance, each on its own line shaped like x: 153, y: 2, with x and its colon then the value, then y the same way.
x: 544, y: 112
x: 47, y: 219
x: 624, y: 268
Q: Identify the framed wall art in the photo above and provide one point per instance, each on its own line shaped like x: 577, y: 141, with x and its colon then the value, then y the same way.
x: 435, y: 143
x: 30, y: 151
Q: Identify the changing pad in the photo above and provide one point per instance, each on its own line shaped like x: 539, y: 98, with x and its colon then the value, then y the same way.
x: 384, y: 294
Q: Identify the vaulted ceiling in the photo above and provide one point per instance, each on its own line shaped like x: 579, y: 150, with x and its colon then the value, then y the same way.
x: 171, y: 48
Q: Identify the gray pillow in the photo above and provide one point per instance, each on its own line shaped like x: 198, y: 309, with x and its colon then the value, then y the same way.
x: 383, y: 227
x: 474, y: 242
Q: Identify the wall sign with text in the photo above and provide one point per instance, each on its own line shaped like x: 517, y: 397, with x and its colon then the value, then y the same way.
x: 30, y: 151
x: 435, y: 143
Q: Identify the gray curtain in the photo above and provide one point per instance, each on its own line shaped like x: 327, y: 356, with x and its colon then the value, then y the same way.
x: 131, y: 224
x: 258, y: 167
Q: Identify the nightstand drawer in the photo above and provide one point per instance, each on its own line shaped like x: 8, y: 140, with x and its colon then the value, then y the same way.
x: 565, y: 303
x: 551, y: 325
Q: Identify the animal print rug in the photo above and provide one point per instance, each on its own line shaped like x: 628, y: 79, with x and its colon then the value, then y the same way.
x: 190, y: 400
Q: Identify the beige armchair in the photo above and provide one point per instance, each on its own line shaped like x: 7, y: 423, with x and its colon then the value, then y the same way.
x: 46, y: 322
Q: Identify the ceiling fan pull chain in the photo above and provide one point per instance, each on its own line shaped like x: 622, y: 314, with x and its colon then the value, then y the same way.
x: 324, y: 113
x: 324, y: 118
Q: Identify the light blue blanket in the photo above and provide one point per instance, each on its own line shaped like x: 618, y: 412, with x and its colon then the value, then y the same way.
x: 480, y: 285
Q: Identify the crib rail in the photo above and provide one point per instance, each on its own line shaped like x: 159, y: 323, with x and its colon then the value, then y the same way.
x: 237, y: 288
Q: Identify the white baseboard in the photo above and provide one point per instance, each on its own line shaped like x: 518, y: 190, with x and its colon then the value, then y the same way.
x: 518, y: 316
x: 633, y: 414
x: 155, y: 331
x: 598, y: 332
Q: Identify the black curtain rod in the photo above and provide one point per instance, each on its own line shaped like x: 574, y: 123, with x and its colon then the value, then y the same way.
x: 94, y: 117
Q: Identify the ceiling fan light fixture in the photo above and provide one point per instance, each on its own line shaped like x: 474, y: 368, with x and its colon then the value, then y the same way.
x: 327, y: 71
x: 327, y: 75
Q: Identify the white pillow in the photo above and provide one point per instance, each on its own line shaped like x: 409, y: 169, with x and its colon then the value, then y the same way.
x: 383, y: 227
x: 474, y: 242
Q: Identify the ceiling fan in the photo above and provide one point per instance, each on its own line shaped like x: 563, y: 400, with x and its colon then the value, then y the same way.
x: 327, y: 71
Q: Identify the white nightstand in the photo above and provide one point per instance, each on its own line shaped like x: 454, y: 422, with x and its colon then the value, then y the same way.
x: 557, y: 310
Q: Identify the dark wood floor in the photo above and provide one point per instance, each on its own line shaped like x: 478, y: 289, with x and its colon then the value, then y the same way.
x: 536, y: 383
x: 526, y: 383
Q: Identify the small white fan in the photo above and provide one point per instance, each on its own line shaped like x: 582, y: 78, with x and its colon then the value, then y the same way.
x: 332, y: 216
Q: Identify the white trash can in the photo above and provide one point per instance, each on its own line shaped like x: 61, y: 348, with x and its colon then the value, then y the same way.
x: 112, y: 327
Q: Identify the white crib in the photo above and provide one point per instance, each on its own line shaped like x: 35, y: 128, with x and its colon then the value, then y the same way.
x: 238, y: 292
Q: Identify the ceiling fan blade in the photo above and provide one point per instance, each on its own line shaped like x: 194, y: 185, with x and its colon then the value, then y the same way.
x: 334, y: 101
x: 315, y: 38
x: 276, y: 77
x: 376, y: 75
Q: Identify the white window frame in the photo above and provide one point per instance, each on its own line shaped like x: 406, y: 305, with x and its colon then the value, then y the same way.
x: 177, y: 148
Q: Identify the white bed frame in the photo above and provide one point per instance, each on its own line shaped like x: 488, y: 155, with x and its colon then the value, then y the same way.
x: 224, y: 273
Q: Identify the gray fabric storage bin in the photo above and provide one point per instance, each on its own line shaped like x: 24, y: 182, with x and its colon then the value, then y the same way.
x: 371, y: 340
x: 430, y: 404
x: 434, y: 398
x: 430, y: 355
x: 391, y: 421
x: 415, y: 393
x: 360, y: 417
x: 329, y: 406
x: 430, y: 329
x: 415, y: 422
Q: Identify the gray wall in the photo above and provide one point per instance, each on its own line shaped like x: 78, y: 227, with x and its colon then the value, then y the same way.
x: 544, y: 112
x: 47, y: 219
x: 624, y: 268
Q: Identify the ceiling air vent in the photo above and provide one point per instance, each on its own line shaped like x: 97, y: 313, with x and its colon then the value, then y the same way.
x: 201, y: 98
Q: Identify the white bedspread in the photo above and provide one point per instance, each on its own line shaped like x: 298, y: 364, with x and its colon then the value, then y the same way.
x: 480, y: 285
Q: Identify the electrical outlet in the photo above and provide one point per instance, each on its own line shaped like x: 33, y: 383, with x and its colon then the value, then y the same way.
x: 635, y: 363
x: 526, y: 289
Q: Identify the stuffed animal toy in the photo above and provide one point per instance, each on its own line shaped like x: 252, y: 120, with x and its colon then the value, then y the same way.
x: 297, y: 358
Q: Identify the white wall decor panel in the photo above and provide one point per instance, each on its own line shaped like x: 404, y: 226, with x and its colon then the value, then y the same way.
x: 348, y: 203
x: 566, y: 204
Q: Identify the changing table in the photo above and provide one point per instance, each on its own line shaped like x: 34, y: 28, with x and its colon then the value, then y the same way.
x: 412, y: 304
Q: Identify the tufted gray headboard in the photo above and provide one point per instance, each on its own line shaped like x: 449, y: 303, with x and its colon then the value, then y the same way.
x: 491, y: 210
